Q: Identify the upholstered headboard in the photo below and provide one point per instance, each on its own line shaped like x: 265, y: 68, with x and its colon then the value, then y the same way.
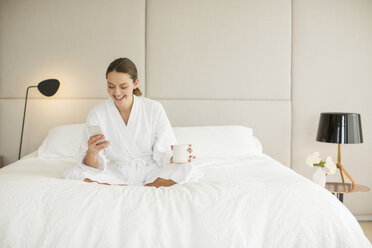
x: 232, y: 66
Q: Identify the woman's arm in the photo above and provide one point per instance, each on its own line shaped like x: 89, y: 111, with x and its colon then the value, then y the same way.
x: 91, y: 157
x: 91, y: 160
x: 164, y: 137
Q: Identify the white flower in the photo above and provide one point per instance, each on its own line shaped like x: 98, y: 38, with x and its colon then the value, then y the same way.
x: 331, y: 166
x: 313, y: 159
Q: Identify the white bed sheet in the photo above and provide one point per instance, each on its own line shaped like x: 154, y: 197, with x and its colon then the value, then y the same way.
x: 245, y: 202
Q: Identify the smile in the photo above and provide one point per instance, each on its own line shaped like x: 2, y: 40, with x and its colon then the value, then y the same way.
x: 119, y: 99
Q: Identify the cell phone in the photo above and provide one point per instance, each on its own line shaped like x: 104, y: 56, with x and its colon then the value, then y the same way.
x: 94, y: 130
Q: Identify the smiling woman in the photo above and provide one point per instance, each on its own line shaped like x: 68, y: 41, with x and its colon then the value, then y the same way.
x: 123, y: 65
x: 122, y: 83
x: 138, y: 150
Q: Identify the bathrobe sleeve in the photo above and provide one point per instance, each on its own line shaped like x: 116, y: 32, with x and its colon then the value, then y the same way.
x: 162, y: 153
x: 92, y: 120
x: 164, y: 138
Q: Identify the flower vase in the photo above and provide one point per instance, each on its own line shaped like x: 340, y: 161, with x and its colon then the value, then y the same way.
x: 319, y: 177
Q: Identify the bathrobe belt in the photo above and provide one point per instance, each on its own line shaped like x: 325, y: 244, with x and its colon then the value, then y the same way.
x: 136, y: 163
x: 133, y: 171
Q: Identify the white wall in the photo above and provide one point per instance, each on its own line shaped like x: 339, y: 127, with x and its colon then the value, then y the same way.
x: 328, y: 54
x: 332, y: 71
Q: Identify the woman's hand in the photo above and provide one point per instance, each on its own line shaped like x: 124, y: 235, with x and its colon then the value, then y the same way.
x: 93, y: 147
x: 191, y: 157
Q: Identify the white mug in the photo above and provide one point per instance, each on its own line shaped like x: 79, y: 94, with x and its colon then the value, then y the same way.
x: 180, y: 153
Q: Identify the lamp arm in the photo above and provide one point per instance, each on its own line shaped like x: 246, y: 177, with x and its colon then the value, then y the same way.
x: 23, y: 122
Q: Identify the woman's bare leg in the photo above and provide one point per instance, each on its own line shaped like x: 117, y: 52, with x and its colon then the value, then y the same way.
x: 161, y: 182
x: 91, y: 181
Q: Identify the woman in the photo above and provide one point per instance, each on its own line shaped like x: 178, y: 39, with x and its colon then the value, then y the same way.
x: 138, y: 150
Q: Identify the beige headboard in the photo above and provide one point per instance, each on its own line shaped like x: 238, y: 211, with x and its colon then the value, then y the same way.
x: 209, y: 62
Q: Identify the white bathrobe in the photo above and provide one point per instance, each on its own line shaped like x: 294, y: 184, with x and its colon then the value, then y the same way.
x: 139, y: 152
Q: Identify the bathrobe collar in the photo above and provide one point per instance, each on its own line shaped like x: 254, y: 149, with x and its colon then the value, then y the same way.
x: 127, y: 132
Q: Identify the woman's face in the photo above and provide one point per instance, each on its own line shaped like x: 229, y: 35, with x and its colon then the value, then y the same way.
x: 120, y: 87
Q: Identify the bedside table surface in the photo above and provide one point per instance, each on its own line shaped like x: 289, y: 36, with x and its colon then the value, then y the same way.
x: 339, y: 188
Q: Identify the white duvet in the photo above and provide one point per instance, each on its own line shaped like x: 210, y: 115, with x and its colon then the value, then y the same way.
x: 247, y: 202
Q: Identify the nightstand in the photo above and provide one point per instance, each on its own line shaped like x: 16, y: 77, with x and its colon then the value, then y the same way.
x: 338, y: 189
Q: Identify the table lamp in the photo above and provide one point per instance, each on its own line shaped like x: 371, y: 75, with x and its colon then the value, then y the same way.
x: 48, y: 88
x: 340, y: 128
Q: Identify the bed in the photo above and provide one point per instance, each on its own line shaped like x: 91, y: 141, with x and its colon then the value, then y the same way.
x: 243, y: 198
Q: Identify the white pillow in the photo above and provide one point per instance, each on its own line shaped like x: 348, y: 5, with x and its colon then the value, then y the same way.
x: 219, y: 141
x: 62, y: 142
x: 207, y: 141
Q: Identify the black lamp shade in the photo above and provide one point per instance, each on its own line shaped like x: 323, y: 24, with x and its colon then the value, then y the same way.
x: 48, y: 87
x: 340, y: 128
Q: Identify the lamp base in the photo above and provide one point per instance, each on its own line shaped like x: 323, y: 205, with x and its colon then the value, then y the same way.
x: 341, y: 168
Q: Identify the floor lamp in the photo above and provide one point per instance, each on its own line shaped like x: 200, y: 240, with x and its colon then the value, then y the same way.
x: 48, y: 88
x: 340, y: 128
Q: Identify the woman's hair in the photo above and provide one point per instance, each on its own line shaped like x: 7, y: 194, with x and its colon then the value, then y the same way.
x: 125, y: 65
